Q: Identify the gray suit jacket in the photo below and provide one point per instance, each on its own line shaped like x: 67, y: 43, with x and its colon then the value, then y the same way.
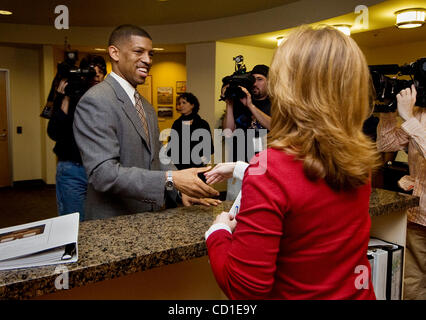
x: 125, y: 175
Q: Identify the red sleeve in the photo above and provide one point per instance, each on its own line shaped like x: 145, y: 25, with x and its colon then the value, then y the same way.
x: 244, y: 263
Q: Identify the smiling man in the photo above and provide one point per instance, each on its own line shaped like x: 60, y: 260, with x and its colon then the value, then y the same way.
x: 117, y: 133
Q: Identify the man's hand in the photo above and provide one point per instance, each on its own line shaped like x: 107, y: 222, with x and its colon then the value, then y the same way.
x: 406, y: 100
x: 188, y: 201
x: 247, y: 101
x: 187, y: 182
x: 222, y: 171
x: 227, y: 219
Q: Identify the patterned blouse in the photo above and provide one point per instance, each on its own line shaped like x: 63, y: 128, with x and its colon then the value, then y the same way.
x: 411, y: 134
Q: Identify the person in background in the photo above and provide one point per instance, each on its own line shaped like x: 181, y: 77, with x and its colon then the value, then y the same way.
x: 71, y: 179
x: 304, y: 225
x: 188, y: 106
x: 411, y: 135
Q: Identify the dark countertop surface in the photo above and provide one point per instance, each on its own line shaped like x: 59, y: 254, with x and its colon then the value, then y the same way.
x: 114, y: 247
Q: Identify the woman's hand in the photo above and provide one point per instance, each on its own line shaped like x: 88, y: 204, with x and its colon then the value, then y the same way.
x: 406, y: 100
x: 189, y: 201
x: 222, y: 171
x: 227, y: 219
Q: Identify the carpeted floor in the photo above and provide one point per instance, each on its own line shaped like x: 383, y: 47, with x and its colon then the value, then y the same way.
x: 20, y: 205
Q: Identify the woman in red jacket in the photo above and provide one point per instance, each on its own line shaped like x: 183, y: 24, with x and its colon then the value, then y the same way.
x: 303, y: 227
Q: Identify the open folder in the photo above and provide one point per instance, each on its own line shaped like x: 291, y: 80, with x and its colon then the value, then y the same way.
x: 45, y: 242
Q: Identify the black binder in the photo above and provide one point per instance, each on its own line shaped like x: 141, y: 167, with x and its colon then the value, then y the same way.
x: 394, y: 267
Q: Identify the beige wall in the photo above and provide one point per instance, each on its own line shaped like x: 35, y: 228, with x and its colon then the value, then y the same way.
x: 25, y: 102
x: 395, y: 54
x: 200, y: 64
x: 47, y: 72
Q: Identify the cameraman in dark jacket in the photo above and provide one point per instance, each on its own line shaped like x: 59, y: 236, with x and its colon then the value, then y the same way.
x: 252, y: 112
x: 71, y: 179
x: 259, y: 104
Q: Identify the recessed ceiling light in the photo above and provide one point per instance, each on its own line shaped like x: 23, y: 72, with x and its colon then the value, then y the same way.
x: 5, y: 12
x: 410, y: 18
x: 345, y: 28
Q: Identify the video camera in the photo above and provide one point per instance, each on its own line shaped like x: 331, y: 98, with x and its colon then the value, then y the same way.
x: 239, y: 78
x: 387, y: 88
x: 78, y: 78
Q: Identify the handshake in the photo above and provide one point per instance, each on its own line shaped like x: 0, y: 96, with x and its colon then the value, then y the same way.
x: 194, y: 190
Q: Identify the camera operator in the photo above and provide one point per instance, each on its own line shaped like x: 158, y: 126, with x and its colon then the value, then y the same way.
x: 258, y: 105
x: 71, y: 179
x: 257, y: 102
x: 411, y: 135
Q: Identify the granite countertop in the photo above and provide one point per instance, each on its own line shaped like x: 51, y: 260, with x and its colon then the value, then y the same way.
x: 114, y: 247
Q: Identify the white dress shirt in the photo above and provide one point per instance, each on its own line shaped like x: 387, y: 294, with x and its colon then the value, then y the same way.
x: 128, y: 88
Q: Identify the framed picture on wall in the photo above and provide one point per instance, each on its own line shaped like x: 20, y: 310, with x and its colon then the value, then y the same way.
x: 165, y: 112
x: 145, y: 90
x: 164, y: 95
x: 180, y: 87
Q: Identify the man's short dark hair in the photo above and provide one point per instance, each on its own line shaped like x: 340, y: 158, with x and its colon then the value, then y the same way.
x: 124, y: 32
x: 189, y: 97
x: 260, y: 69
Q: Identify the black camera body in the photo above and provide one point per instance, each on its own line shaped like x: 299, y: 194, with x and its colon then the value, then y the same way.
x: 78, y: 78
x: 387, y: 88
x: 239, y: 78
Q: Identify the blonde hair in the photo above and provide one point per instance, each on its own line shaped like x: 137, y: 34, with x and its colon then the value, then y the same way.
x: 321, y: 93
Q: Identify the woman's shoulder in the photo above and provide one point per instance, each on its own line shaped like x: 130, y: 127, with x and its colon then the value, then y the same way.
x: 274, y: 156
x: 272, y: 162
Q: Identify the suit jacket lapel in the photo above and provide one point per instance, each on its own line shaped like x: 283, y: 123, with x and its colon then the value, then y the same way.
x: 130, y: 110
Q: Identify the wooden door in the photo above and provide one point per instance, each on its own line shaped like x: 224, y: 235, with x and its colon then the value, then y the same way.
x: 5, y: 174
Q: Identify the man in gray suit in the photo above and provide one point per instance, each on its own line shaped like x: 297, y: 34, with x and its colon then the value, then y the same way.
x: 117, y: 133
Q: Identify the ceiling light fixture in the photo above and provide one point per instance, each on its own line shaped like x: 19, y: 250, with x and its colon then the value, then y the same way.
x: 5, y: 12
x: 410, y: 18
x: 100, y: 49
x: 280, y: 39
x: 158, y: 49
x: 345, y: 28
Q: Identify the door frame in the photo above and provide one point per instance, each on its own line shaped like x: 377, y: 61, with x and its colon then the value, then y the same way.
x: 9, y: 124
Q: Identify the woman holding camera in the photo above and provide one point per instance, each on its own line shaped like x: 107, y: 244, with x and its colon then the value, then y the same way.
x: 71, y: 179
x: 410, y: 135
x: 303, y: 227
